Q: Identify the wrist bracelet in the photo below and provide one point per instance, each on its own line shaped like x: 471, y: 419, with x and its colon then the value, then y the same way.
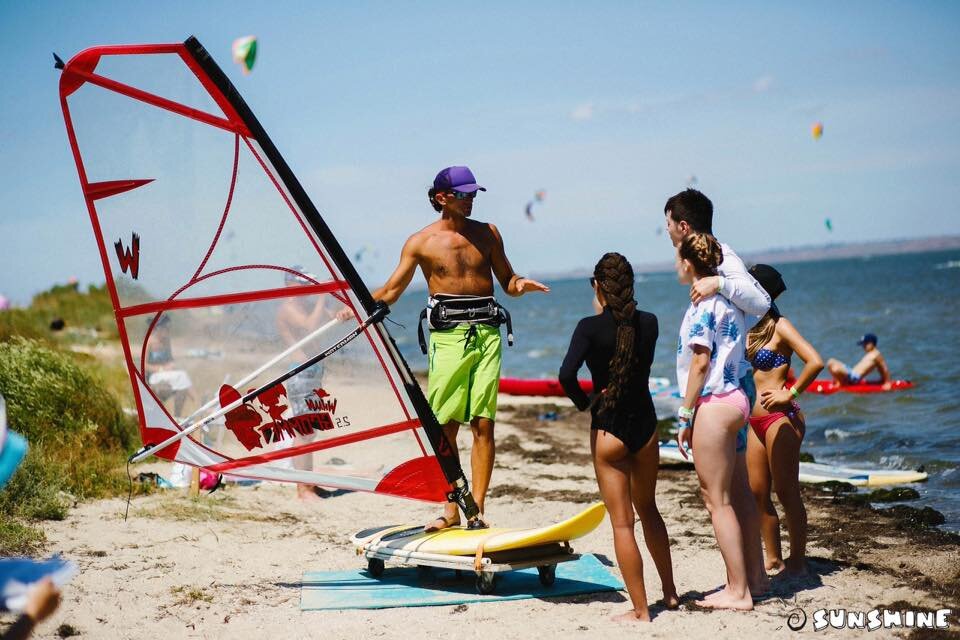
x: 795, y: 393
x: 685, y: 414
x: 720, y: 283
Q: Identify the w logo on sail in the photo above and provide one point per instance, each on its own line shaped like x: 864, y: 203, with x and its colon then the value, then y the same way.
x: 129, y: 258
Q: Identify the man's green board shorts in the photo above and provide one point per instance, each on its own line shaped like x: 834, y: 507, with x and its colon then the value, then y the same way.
x: 464, y: 372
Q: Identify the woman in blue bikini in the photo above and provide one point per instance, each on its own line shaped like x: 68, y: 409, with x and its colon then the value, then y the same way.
x: 777, y: 426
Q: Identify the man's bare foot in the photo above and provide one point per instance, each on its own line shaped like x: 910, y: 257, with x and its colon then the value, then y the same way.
x: 308, y: 493
x: 441, y: 523
x: 725, y: 599
x: 671, y: 601
x: 774, y: 565
x: 632, y: 616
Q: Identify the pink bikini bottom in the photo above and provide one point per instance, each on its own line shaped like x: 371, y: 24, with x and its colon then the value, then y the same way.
x: 736, y: 399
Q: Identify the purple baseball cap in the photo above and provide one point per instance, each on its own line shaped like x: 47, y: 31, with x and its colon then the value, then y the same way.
x: 456, y: 179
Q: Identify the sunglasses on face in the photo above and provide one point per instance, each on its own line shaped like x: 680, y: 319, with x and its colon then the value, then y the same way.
x: 593, y: 282
x: 460, y: 195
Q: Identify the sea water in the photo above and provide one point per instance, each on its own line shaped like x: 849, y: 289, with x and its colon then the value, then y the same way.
x: 911, y: 302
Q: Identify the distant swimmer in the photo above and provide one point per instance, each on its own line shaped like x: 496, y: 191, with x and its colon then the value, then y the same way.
x: 871, y: 360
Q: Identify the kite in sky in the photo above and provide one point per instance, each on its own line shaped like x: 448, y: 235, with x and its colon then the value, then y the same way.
x: 537, y: 198
x: 816, y: 130
x: 245, y: 52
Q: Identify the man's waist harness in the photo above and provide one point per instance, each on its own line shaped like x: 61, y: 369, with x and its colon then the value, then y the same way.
x: 445, y: 311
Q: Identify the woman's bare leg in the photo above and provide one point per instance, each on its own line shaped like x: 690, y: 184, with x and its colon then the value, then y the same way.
x: 758, y: 468
x: 643, y: 487
x: 749, y: 517
x: 611, y: 462
x: 714, y: 436
x: 783, y: 446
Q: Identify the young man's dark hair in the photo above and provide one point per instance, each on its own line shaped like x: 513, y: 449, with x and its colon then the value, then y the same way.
x: 692, y: 207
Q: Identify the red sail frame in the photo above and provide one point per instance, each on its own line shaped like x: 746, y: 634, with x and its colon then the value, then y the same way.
x: 419, y: 478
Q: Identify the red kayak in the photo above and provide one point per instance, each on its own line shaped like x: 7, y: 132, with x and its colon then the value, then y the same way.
x: 530, y: 387
x: 827, y: 387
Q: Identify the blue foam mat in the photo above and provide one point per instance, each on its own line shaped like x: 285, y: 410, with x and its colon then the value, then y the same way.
x: 408, y: 587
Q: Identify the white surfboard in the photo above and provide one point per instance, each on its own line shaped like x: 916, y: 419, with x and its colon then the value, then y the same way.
x: 816, y: 472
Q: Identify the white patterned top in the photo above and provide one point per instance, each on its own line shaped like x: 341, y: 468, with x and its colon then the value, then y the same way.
x: 718, y: 325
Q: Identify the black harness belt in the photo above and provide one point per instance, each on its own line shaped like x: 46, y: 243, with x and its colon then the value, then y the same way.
x: 445, y: 311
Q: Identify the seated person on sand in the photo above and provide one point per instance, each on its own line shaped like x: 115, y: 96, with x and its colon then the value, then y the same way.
x: 164, y: 378
x: 872, y: 359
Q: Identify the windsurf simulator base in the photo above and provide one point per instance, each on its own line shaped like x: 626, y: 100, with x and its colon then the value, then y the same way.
x: 486, y: 552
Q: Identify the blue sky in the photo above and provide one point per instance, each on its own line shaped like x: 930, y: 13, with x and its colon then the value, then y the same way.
x: 609, y: 108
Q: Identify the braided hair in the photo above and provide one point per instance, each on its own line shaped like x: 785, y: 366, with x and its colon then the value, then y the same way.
x: 703, y: 251
x: 614, y: 276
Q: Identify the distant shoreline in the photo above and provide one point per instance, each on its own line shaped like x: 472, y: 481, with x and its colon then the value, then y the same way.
x: 800, y: 254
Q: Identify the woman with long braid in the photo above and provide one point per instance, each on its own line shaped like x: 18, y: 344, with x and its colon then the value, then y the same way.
x: 709, y: 351
x: 618, y: 346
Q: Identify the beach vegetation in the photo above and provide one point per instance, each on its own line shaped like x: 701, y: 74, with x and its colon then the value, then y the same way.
x: 187, y: 594
x: 79, y: 437
x: 86, y: 316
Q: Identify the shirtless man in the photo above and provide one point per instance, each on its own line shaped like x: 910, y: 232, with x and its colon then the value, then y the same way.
x: 871, y: 360
x: 460, y: 257
x: 297, y: 317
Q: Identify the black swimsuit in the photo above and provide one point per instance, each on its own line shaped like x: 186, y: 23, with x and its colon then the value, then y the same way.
x: 634, y: 420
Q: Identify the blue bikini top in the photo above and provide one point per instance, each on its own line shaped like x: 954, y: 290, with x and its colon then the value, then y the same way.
x: 765, y: 360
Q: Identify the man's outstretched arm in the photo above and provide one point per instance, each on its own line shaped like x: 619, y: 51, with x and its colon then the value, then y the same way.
x: 513, y: 284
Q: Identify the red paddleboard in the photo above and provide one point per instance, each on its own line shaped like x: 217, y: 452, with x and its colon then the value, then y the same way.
x: 827, y: 387
x: 532, y: 387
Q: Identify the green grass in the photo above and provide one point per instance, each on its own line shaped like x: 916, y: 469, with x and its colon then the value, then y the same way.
x: 79, y: 437
x: 18, y: 539
x: 88, y: 317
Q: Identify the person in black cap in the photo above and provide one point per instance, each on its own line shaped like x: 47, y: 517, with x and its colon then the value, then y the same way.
x: 460, y: 258
x: 872, y: 360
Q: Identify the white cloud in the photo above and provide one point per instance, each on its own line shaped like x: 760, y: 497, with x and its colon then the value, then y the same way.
x: 583, y: 112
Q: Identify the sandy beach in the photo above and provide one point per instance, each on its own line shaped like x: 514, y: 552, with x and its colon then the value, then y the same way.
x: 229, y: 565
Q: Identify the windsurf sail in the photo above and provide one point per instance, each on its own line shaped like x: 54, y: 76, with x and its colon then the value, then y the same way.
x: 229, y: 289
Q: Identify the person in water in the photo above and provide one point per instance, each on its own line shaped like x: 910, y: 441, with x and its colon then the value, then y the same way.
x: 618, y: 346
x: 297, y: 317
x: 709, y: 351
x: 778, y: 425
x: 872, y: 360
x: 460, y: 258
x: 691, y: 211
